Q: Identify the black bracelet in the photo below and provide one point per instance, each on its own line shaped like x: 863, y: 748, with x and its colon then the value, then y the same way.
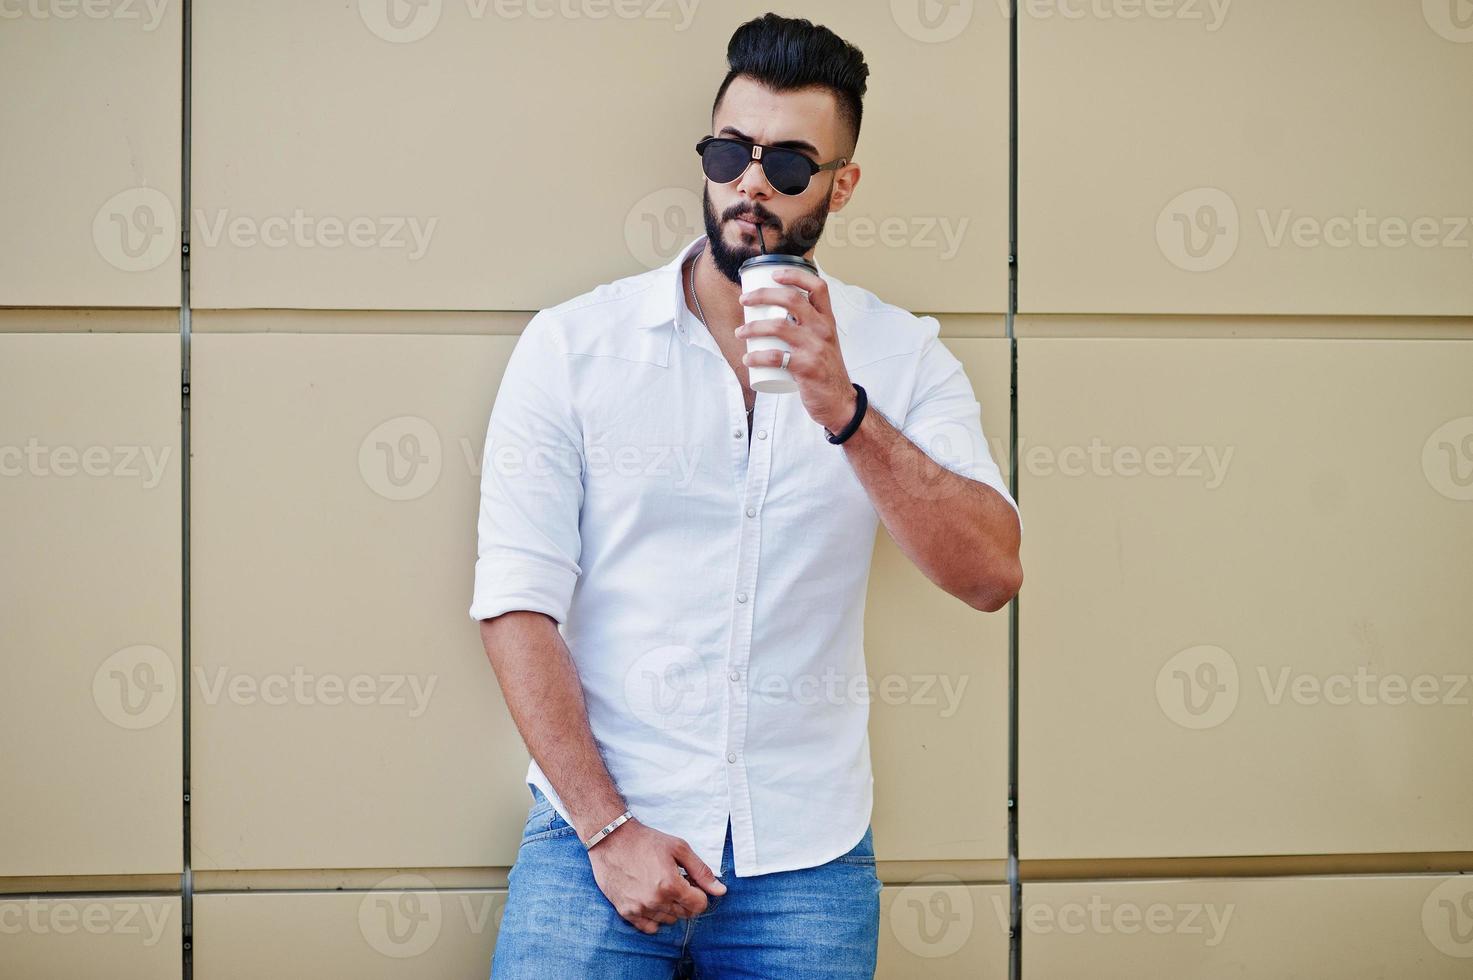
x: 853, y: 425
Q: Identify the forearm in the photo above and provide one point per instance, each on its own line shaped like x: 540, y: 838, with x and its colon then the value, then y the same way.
x: 960, y: 533
x: 540, y: 685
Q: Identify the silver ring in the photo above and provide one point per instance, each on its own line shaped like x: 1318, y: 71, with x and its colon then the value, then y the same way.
x: 787, y: 356
x: 792, y: 319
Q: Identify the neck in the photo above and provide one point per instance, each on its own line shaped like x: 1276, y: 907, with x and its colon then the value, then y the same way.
x: 718, y: 295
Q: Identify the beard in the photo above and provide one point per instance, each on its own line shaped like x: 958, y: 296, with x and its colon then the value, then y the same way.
x: 795, y: 239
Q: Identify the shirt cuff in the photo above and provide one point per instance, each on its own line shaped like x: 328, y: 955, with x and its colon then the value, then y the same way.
x: 508, y: 584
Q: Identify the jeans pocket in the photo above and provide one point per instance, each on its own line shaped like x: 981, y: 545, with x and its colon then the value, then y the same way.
x: 540, y: 804
x: 543, y: 820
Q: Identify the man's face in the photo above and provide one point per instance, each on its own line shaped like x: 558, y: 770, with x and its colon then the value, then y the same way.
x: 791, y: 224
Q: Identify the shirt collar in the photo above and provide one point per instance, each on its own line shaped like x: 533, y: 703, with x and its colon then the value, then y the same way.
x: 659, y: 304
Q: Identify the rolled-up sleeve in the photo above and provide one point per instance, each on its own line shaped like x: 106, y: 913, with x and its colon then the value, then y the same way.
x: 531, y: 484
x: 945, y: 418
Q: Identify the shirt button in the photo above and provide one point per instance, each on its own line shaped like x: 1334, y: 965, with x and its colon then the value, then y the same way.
x: 741, y: 597
x: 731, y: 757
x: 751, y: 511
x: 761, y: 433
x: 735, y: 675
x: 736, y: 433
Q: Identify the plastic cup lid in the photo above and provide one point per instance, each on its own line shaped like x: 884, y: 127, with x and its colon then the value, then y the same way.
x: 776, y: 258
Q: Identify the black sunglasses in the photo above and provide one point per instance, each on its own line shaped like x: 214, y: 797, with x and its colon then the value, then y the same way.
x: 788, y: 171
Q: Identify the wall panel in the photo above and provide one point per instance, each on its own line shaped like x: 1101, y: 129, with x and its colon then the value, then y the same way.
x: 1254, y: 157
x: 345, y: 715
x: 530, y: 158
x: 1353, y: 928
x: 90, y: 712
x: 1244, y: 627
x: 89, y: 159
x: 77, y: 937
x: 938, y: 697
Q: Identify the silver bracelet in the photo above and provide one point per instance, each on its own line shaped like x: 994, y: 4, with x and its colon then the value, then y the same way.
x: 588, y: 844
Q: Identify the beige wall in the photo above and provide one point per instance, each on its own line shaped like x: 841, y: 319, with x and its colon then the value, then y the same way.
x: 1245, y: 456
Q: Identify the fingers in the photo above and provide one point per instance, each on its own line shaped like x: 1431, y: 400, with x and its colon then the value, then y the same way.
x: 690, y: 902
x: 779, y: 327
x: 786, y: 297
x: 643, y: 924
x: 664, y: 917
x: 697, y: 870
x: 815, y: 286
x: 768, y: 358
x: 680, y: 896
x: 671, y: 887
x: 647, y: 917
x: 674, y: 902
x: 677, y: 895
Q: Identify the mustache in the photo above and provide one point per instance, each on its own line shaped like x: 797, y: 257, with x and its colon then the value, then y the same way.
x: 766, y: 219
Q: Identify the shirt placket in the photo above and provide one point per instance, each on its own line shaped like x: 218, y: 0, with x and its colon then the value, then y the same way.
x: 752, y: 495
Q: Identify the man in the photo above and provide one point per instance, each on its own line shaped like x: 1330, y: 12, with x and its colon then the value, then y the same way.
x: 668, y: 561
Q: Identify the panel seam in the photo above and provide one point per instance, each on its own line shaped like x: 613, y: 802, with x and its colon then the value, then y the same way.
x: 186, y: 884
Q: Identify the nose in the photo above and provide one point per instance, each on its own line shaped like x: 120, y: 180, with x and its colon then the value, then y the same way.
x: 753, y: 181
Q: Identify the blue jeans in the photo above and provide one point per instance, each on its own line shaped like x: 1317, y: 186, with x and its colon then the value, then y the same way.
x: 820, y: 922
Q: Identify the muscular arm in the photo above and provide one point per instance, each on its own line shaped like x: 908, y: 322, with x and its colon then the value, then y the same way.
x: 650, y: 877
x: 961, y: 533
x: 541, y: 688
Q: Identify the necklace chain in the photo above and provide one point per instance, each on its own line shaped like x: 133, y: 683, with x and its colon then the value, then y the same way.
x: 693, y: 293
x: 697, y: 298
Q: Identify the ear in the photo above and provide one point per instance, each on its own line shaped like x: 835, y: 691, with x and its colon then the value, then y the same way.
x: 845, y: 181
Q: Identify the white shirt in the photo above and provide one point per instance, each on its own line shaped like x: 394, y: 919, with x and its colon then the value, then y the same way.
x: 711, y: 593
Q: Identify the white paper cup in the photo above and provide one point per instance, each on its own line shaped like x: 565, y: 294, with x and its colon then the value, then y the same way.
x: 756, y: 273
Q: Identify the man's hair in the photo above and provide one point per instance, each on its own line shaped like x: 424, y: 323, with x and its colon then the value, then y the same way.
x: 786, y: 54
